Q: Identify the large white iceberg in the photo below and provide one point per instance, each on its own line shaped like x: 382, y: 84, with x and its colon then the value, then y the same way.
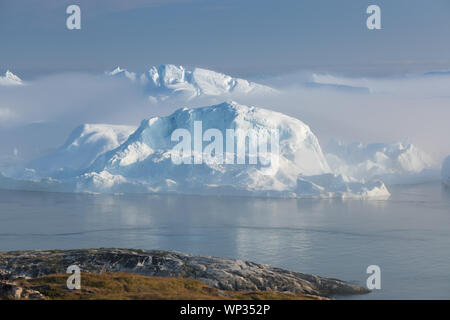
x: 146, y: 157
x: 168, y: 80
x: 446, y: 171
x: 144, y: 163
x: 393, y: 163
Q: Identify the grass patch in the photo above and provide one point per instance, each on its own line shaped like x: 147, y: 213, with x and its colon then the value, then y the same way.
x: 128, y: 286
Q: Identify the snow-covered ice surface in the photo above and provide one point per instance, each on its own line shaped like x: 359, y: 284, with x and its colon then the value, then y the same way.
x: 393, y: 163
x: 169, y: 80
x: 446, y: 171
x: 10, y: 79
x: 143, y: 162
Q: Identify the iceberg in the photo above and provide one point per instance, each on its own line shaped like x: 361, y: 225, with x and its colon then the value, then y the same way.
x: 393, y: 163
x: 113, y: 159
x: 168, y: 80
x: 446, y: 171
x: 10, y: 79
x: 339, y: 186
x: 145, y: 158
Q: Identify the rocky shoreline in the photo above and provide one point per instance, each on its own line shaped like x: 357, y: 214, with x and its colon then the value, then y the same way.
x: 220, y: 273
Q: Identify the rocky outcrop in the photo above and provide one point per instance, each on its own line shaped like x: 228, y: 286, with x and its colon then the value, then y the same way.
x: 221, y: 273
x: 12, y: 291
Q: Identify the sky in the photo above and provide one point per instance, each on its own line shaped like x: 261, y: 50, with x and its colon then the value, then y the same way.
x: 248, y: 38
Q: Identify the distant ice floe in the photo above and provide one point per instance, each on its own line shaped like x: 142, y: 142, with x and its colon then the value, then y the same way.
x: 168, y: 80
x: 393, y: 163
x: 339, y: 186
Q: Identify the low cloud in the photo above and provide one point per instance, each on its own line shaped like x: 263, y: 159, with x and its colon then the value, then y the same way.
x: 73, y: 99
x: 5, y: 114
x: 411, y: 108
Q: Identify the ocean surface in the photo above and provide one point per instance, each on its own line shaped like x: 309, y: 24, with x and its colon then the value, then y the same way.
x: 407, y: 236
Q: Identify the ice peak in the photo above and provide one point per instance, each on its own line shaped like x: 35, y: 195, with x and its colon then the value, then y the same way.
x: 167, y: 74
x: 119, y: 72
x: 10, y: 79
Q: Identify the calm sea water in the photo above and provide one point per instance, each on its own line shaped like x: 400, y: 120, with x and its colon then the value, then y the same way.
x: 408, y: 236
